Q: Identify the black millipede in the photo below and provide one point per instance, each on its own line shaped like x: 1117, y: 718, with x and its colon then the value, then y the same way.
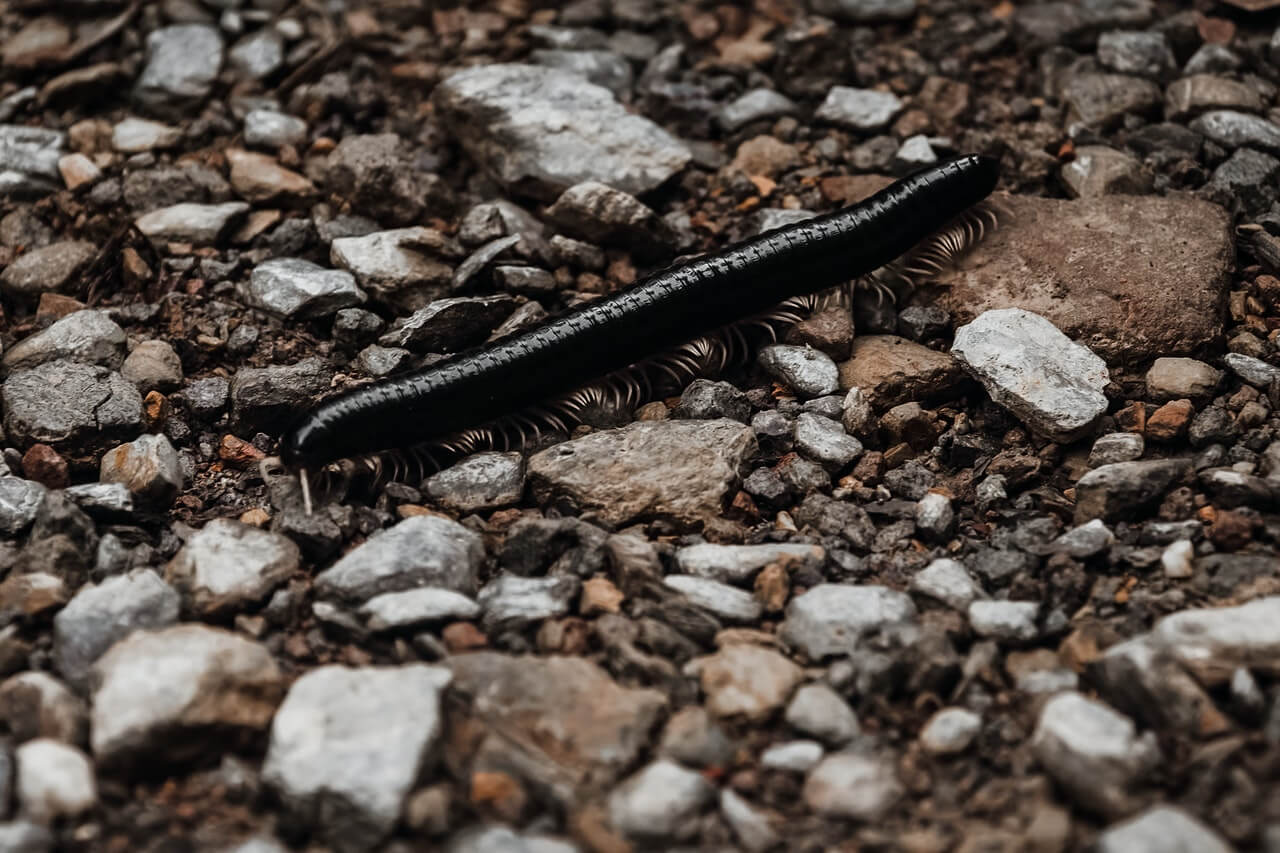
x: 690, y: 319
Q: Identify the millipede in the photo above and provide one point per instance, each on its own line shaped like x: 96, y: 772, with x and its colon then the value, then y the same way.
x: 693, y: 318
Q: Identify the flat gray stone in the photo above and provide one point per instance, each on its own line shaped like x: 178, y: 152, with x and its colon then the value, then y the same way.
x: 149, y: 467
x: 293, y: 286
x: 744, y: 681
x: 182, y: 64
x: 539, y: 131
x: 1212, y: 643
x: 227, y: 566
x: 859, y: 109
x: 1005, y: 620
x: 414, y: 608
x: 66, y: 404
x: 1161, y: 829
x: 32, y: 151
x: 1122, y: 489
x: 1255, y: 371
x: 1097, y: 170
x: 153, y: 366
x: 405, y: 267
x: 818, y: 711
x: 729, y: 603
x: 805, y: 370
x: 19, y: 501
x: 480, y: 482
x: 88, y: 337
x: 512, y: 601
x: 755, y: 105
x: 825, y: 441
x: 198, y: 224
x: 1232, y: 129
x: 830, y: 619
x: 948, y: 581
x: 46, y: 269
x: 265, y: 128
x: 419, y: 551
x: 1200, y: 93
x: 740, y: 563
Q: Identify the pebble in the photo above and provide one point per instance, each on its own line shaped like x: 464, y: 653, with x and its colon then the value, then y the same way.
x: 293, y: 286
x: 1177, y: 378
x: 681, y: 470
x: 447, y: 325
x: 1118, y: 490
x: 657, y: 800
x: 1116, y: 447
x: 30, y: 151
x: 414, y: 608
x: 1051, y: 383
x: 1146, y: 54
x: 207, y: 397
x: 269, y: 398
x: 481, y: 482
x: 1013, y: 621
x: 101, y: 614
x: 46, y: 269
x: 831, y: 619
x: 1177, y: 559
x: 934, y: 517
x: 1232, y: 129
x: 198, y: 224
x: 512, y: 602
x: 729, y: 603
x: 1102, y: 100
x: 693, y: 737
x: 54, y: 780
x: 807, y: 371
x: 380, y: 177
x: 1098, y: 170
x: 947, y: 581
x: 78, y: 171
x: 752, y: 106
x: 87, y: 337
x: 257, y: 55
x: 825, y: 441
x: 746, y: 681
x: 37, y: 705
x: 135, y: 135
x: 541, y: 130
x: 258, y: 177
x: 598, y: 213
x: 1092, y: 751
x: 182, y: 691
x: 704, y: 399
x: 1160, y: 829
x: 1198, y: 93
x: 738, y: 564
x: 182, y: 64
x: 796, y: 756
x: 405, y: 267
x: 1212, y: 643
x: 383, y: 361
x: 890, y: 370
x: 265, y: 128
x: 750, y: 826
x: 359, y: 736
x: 950, y: 731
x: 859, y: 109
x: 853, y: 786
x: 1255, y: 371
x: 420, y: 551
x: 149, y: 467
x: 153, y: 366
x: 23, y: 836
x: 67, y: 404
x: 227, y: 566
x: 818, y: 711
x: 19, y: 501
x: 915, y: 153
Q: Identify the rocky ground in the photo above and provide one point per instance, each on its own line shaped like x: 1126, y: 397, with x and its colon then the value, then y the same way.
x: 997, y: 573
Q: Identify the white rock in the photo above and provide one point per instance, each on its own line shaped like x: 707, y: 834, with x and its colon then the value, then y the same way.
x: 1161, y: 829
x: 228, y: 565
x: 200, y: 224
x: 859, y: 109
x: 54, y: 780
x: 949, y: 582
x: 818, y: 711
x: 725, y: 601
x: 1051, y: 383
x: 419, y: 551
x: 654, y: 802
x: 134, y: 135
x: 752, y: 828
x: 293, y: 286
x: 1177, y: 559
x: 747, y: 681
x: 1005, y: 620
x: 740, y: 563
x: 270, y: 129
x: 950, y: 730
x: 415, y: 607
x: 830, y: 619
x: 796, y: 756
x: 853, y: 786
x: 1213, y: 642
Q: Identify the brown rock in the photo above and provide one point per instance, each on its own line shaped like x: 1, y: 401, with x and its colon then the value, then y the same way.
x: 1170, y: 420
x: 772, y: 587
x: 44, y: 465
x: 1128, y: 276
x: 829, y: 331
x: 1231, y: 530
x: 31, y: 594
x: 891, y: 370
x: 1132, y: 418
x: 258, y: 177
x: 765, y: 155
x: 746, y: 681
x: 599, y: 595
x: 463, y: 637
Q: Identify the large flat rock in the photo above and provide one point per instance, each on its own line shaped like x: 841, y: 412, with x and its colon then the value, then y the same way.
x: 1131, y: 277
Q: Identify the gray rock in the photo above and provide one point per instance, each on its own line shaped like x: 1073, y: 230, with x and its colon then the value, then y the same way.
x: 914, y: 153
x: 135, y: 135
x: 293, y: 286
x: 207, y: 397
x: 493, y: 220
x: 383, y: 361
x: 857, y: 414
x: 934, y: 517
x: 47, y: 269
x: 101, y: 614
x: 182, y: 63
x: 1199, y: 93
x: 482, y: 258
x: 481, y: 482
x: 348, y: 745
x: 728, y: 603
x: 1161, y: 829
x: 499, y: 839
x: 796, y: 756
x: 512, y: 601
x: 805, y: 370
x: 1005, y: 620
x: 1255, y: 371
x: 380, y: 176
x: 825, y: 441
x: 818, y: 711
x: 106, y: 498
x: 54, y: 780
x: 654, y: 803
x: 1138, y: 676
x: 1246, y: 177
x: 355, y: 326
x: 1212, y: 59
x: 88, y: 337
x: 754, y: 105
x: 1094, y: 753
x: 1232, y: 129
x: 1103, y: 100
x: 746, y: 681
x: 32, y: 151
x: 693, y: 737
x: 259, y: 54
x: 405, y: 267
x: 539, y: 131
x: 414, y: 608
x: 269, y: 398
x: 37, y: 705
x: 598, y: 213
x: 1084, y: 541
x: 866, y: 11
x: 853, y: 786
x: 64, y: 403
x: 153, y: 366
x: 831, y: 619
x: 267, y: 128
x: 1176, y: 378
x: 704, y: 399
x: 227, y: 566
x: 1146, y: 54
x: 180, y: 692
x: 947, y: 581
x: 1212, y: 643
x: 601, y: 67
x: 1051, y: 383
x: 19, y: 501
x: 23, y: 836
x: 419, y: 551
x: 681, y: 470
x: 1121, y: 489
x: 740, y: 563
x: 859, y: 109
x: 1116, y: 447
x: 1098, y: 170
x: 449, y: 324
x: 950, y: 731
x: 532, y: 281
x: 751, y: 827
x: 148, y: 467
x: 199, y: 224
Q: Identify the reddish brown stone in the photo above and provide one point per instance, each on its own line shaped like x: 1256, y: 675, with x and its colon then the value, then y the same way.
x: 1170, y: 420
x: 44, y: 465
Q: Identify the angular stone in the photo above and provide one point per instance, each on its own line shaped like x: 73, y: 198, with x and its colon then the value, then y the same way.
x: 600, y: 214
x: 1010, y: 621
x: 539, y: 131
x: 149, y: 467
x: 480, y: 482
x: 831, y: 619
x: 825, y: 441
x: 657, y: 800
x: 405, y: 267
x: 1151, y: 283
x: 66, y: 404
x: 348, y: 745
x: 449, y: 324
x: 1146, y: 54
x: 1255, y: 371
x: 135, y: 135
x: 1103, y: 100
x: 228, y: 565
x: 269, y: 398
x: 1051, y: 383
x: 512, y: 602
x: 153, y: 366
x: 890, y: 370
x: 755, y: 105
x: 179, y: 693
x: 1123, y: 489
x: 419, y: 551
x: 1212, y: 643
x: 380, y: 176
x: 199, y: 224
x: 47, y: 269
x: 260, y: 178
x: 728, y: 603
x: 266, y: 128
x: 414, y: 608
x: 1161, y: 829
x: 746, y: 681
x: 1176, y: 378
x: 1200, y: 93
x: 854, y: 786
x: 807, y: 371
x: 1232, y: 130
x: 948, y: 581
x: 859, y: 109
x: 681, y: 470
x: 182, y: 64
x: 1098, y: 170
x: 289, y: 286
x: 87, y: 337
x: 740, y: 563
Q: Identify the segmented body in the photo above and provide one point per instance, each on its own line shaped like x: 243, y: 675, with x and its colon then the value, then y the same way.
x: 693, y: 312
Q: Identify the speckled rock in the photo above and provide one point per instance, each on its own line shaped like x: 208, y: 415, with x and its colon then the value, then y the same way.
x: 654, y: 802
x: 66, y: 404
x: 853, y: 786
x: 293, y: 286
x: 831, y: 619
x: 148, y: 466
x: 419, y: 551
x: 747, y: 681
x: 481, y: 482
x: 228, y: 565
x: 805, y: 370
x: 86, y: 337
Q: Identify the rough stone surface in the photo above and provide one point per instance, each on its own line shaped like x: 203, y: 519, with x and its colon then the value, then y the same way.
x: 481, y: 482
x: 656, y: 800
x: 747, y: 681
x: 182, y: 62
x: 406, y: 267
x: 889, y: 370
x: 63, y: 403
x: 292, y: 286
x: 46, y: 269
x: 859, y: 109
x: 853, y: 786
x: 54, y: 780
x: 87, y: 337
x: 831, y: 619
x: 148, y: 467
x: 1161, y: 829
x: 1117, y: 490
x: 419, y: 551
x: 228, y: 565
